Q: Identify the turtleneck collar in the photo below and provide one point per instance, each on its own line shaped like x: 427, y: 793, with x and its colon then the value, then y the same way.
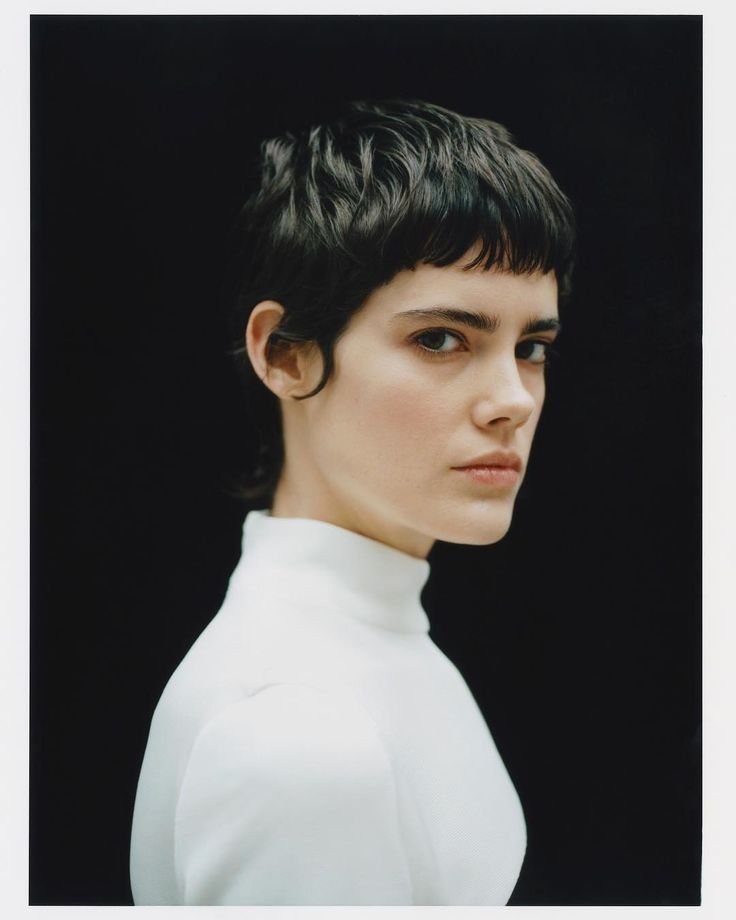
x: 310, y: 562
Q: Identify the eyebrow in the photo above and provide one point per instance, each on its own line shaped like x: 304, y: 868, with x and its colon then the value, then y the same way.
x: 480, y: 321
x: 542, y: 324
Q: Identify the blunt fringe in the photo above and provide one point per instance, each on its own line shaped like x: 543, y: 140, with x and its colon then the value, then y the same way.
x: 342, y: 207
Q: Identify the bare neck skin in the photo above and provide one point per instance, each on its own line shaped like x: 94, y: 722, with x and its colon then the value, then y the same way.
x: 303, y: 493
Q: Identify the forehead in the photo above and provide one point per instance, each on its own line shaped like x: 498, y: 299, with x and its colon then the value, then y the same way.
x: 493, y: 291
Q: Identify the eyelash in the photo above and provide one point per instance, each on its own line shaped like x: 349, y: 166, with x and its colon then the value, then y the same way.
x: 436, y: 354
x: 549, y: 352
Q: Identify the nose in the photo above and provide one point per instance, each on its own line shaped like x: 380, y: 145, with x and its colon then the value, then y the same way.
x: 503, y: 399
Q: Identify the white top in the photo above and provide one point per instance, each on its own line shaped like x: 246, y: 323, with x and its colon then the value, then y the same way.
x: 315, y: 747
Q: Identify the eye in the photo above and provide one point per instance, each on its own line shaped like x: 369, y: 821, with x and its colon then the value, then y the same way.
x: 438, y: 341
x: 535, y: 351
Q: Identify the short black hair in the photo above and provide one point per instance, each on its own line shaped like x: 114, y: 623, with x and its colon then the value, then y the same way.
x: 343, y: 206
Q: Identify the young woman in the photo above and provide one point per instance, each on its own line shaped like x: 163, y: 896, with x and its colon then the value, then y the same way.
x: 400, y: 275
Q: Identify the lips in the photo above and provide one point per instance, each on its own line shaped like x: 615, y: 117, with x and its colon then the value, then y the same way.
x: 500, y: 468
x: 499, y: 459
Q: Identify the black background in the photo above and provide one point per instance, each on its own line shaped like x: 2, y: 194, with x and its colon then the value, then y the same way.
x: 579, y: 633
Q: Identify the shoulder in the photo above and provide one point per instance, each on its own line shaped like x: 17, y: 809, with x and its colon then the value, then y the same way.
x: 289, y: 798
x: 286, y: 741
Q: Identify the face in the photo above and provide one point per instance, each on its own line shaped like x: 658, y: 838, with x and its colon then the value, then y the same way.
x: 423, y: 432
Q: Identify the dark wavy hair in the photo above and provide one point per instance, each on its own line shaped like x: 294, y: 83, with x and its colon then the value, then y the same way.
x: 342, y: 207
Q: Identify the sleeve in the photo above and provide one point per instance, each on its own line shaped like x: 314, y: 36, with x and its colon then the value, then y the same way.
x: 289, y: 798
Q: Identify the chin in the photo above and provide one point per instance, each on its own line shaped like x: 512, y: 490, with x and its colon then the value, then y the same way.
x: 477, y: 526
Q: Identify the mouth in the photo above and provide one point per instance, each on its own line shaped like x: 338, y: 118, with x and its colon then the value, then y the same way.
x: 500, y: 469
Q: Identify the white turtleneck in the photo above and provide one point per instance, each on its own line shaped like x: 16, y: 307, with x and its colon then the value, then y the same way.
x: 315, y: 747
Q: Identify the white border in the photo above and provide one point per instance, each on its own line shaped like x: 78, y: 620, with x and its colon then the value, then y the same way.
x: 719, y: 865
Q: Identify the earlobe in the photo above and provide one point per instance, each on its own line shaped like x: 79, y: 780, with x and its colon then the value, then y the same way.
x: 284, y: 367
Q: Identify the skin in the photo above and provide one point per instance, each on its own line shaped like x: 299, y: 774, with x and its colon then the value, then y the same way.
x: 374, y: 452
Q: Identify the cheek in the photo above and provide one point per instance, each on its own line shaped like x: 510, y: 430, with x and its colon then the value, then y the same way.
x: 389, y: 418
x: 539, y: 395
x: 528, y: 431
x: 535, y: 384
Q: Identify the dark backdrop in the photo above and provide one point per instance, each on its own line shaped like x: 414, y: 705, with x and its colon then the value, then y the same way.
x: 580, y: 632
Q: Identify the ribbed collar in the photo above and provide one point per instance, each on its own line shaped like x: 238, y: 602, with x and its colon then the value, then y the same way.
x: 320, y: 565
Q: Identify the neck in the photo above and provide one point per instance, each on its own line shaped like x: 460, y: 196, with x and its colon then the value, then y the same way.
x: 315, y: 500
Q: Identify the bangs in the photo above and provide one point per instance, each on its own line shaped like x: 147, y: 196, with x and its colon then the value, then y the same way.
x: 525, y: 237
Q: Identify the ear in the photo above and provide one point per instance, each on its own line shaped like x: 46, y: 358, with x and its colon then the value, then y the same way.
x: 290, y: 369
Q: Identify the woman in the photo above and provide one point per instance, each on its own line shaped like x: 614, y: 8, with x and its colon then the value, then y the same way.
x: 401, y: 269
